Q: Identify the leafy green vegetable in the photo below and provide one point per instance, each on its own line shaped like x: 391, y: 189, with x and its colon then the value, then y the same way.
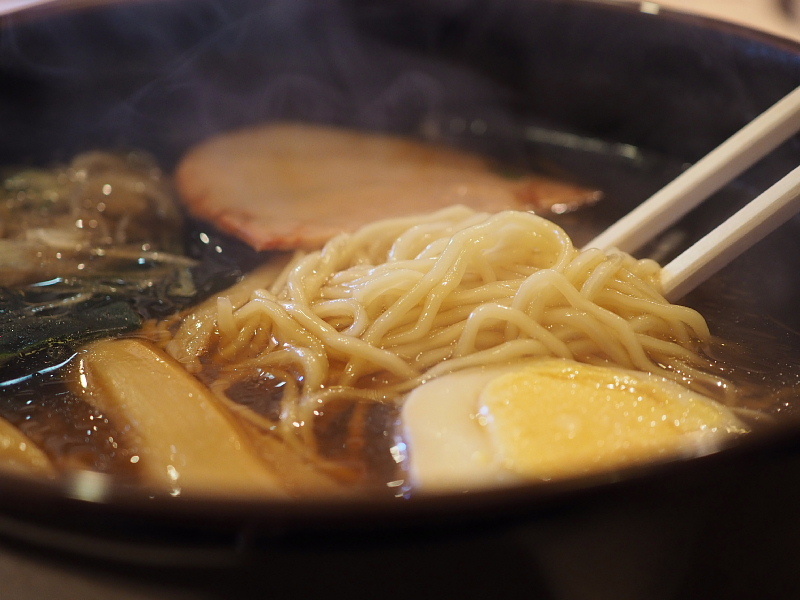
x: 87, y: 250
x: 22, y: 335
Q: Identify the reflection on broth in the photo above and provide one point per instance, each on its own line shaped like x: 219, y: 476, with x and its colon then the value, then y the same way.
x: 312, y: 373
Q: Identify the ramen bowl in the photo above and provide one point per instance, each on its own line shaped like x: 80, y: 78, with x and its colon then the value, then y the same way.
x: 607, y: 95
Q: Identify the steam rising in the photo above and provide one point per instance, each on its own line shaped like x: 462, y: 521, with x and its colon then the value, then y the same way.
x: 162, y: 76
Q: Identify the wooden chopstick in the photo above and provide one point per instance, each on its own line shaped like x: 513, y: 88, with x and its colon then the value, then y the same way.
x: 743, y: 149
x: 723, y: 244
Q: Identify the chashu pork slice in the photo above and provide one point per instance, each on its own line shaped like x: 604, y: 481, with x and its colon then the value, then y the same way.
x: 285, y: 186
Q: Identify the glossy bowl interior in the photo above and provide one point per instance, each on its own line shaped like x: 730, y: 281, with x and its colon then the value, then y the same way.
x: 602, y: 93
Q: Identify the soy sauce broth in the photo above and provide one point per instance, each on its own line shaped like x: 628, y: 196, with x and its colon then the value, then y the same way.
x: 761, y: 353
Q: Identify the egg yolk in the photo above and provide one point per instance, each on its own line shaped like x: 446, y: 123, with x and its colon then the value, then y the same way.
x: 559, y: 418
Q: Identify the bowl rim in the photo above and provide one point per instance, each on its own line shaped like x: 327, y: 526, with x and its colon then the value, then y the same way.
x: 24, y: 501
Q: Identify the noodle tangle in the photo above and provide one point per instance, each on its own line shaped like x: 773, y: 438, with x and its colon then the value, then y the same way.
x: 375, y: 313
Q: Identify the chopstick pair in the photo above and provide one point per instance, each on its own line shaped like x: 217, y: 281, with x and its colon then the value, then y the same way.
x: 749, y: 225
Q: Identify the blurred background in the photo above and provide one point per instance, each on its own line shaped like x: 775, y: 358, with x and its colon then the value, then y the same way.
x: 779, y: 17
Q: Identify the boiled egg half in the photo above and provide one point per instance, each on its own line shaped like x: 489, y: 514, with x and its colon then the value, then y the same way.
x: 551, y: 418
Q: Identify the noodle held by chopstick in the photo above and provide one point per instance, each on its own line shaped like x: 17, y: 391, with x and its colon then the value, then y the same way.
x: 375, y: 313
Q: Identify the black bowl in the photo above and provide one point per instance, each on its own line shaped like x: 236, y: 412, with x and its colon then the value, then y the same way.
x: 603, y: 93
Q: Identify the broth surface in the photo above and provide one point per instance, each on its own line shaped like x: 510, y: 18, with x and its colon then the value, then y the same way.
x: 759, y: 355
